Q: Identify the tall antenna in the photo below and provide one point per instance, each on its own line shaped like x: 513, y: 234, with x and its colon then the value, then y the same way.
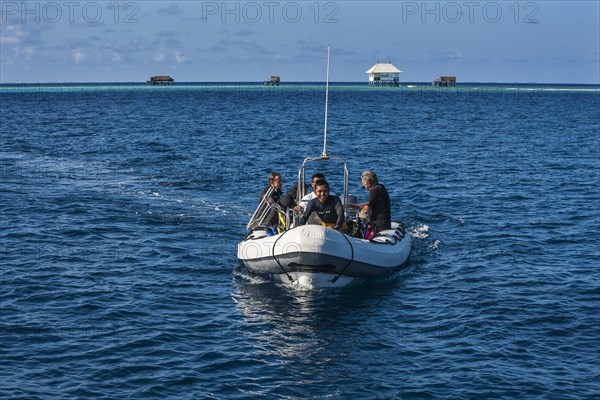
x: 324, y: 155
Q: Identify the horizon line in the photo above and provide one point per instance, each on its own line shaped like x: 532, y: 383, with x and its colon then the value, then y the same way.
x: 294, y: 82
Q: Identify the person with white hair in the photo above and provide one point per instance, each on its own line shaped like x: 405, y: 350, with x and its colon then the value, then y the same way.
x: 378, y: 203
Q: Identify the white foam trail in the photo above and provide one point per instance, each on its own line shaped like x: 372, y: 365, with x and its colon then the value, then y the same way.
x: 420, y: 232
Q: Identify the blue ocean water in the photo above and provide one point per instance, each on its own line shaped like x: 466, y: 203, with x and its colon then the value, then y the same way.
x: 121, y: 207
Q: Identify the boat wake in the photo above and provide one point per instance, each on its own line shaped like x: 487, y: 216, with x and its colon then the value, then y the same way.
x: 420, y: 231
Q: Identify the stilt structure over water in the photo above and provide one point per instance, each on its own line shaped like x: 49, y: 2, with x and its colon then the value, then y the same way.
x: 161, y: 80
x: 274, y: 81
x: 384, y: 74
x: 444, y: 81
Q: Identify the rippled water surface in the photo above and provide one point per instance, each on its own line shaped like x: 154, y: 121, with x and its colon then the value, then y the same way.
x: 121, y: 208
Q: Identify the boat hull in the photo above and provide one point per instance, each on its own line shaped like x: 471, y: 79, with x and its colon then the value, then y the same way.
x: 323, y: 257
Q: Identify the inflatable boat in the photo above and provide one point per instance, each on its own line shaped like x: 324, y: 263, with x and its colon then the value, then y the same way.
x: 317, y: 256
x: 314, y: 255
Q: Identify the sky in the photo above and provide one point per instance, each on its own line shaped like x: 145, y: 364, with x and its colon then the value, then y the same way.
x: 246, y: 41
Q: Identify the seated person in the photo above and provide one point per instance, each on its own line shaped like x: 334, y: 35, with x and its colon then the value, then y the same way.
x: 304, y: 201
x: 275, y: 182
x: 378, y: 204
x: 289, y: 199
x: 328, y: 207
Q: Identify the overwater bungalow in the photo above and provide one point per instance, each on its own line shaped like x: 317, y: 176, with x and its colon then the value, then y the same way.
x: 274, y: 81
x: 444, y: 81
x: 161, y: 80
x: 384, y: 74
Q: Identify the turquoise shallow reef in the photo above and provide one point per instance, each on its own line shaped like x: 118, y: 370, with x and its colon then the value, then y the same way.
x: 122, y: 205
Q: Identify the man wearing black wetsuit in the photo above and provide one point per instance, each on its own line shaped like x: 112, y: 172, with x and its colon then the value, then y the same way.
x: 328, y: 207
x: 378, y: 202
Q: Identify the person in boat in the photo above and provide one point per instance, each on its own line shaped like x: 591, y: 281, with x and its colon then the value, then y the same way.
x: 289, y: 199
x: 304, y: 201
x: 378, y: 203
x: 286, y: 203
x: 275, y: 182
x: 328, y: 207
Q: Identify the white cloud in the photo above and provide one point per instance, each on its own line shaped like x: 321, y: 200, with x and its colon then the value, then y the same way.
x: 173, y: 9
x: 446, y: 56
x: 159, y: 57
x: 10, y: 40
x: 179, y: 57
x: 78, y: 56
x: 116, y: 57
x: 12, y: 34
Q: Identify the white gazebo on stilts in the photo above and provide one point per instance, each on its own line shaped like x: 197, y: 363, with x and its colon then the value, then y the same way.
x: 384, y: 74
